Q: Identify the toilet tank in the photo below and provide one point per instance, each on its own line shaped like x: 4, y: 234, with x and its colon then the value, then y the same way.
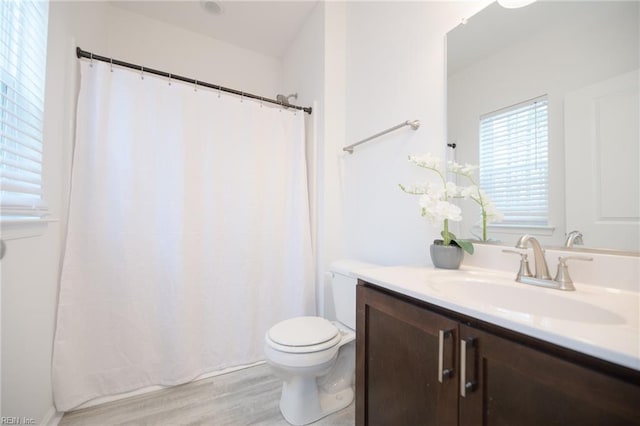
x: 343, y: 287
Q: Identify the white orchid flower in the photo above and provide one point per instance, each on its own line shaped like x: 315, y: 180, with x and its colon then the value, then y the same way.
x: 435, y: 197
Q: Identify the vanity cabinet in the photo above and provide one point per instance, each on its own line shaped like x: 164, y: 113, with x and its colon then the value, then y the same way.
x: 397, y: 357
x: 419, y: 364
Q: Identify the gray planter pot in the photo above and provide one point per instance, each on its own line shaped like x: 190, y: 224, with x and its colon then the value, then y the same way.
x: 446, y: 257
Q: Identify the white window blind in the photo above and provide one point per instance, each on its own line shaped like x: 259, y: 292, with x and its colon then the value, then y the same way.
x: 514, y: 161
x: 23, y: 49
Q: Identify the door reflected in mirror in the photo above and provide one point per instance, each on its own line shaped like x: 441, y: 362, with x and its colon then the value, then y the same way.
x: 583, y: 58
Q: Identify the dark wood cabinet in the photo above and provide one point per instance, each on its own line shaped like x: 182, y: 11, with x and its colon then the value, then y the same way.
x: 418, y: 364
x: 399, y: 350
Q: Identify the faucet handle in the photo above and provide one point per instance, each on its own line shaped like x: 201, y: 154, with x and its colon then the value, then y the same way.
x: 562, y: 275
x: 563, y: 259
x: 520, y: 252
x: 524, y: 263
x: 573, y: 237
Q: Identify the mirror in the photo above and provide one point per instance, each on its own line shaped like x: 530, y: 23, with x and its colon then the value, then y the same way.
x: 584, y: 57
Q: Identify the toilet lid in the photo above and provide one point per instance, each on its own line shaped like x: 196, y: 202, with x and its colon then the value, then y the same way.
x: 303, y: 331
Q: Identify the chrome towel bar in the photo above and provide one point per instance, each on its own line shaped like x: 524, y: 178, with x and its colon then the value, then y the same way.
x: 413, y: 123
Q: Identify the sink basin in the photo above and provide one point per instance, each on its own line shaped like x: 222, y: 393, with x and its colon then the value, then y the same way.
x: 506, y: 296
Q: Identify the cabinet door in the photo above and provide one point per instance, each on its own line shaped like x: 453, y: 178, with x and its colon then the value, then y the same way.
x: 512, y: 384
x: 400, y: 349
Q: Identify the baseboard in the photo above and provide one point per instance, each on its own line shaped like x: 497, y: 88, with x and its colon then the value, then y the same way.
x: 52, y: 418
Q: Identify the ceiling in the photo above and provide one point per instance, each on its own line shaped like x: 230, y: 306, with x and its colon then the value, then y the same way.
x: 495, y: 27
x: 267, y: 27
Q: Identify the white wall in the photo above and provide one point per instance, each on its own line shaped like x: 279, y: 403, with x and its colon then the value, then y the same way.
x: 372, y: 65
x: 314, y: 66
x: 395, y: 72
x: 331, y: 229
x: 303, y: 73
x: 152, y: 43
x: 383, y: 64
x: 31, y: 267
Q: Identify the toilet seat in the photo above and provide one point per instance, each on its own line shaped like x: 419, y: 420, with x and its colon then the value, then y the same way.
x: 303, y: 335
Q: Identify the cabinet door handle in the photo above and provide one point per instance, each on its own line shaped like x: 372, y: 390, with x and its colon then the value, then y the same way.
x: 465, y: 385
x: 443, y: 373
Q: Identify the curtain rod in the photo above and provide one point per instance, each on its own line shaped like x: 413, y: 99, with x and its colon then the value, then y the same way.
x: 84, y: 54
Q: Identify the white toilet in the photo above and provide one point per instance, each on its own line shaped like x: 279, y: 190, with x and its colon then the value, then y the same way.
x: 315, y: 357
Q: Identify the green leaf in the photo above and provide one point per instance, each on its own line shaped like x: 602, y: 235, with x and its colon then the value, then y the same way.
x: 465, y: 245
x: 452, y: 236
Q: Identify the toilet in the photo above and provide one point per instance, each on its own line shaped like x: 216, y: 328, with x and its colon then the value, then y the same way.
x: 315, y: 357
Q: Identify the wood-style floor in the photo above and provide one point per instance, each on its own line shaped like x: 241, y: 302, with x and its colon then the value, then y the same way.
x: 244, y: 397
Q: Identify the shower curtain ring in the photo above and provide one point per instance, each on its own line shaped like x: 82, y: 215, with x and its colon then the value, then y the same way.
x: 219, y: 89
x: 169, y: 79
x: 195, y: 85
x: 91, y: 59
x: 241, y: 96
x: 261, y: 98
x: 141, y: 73
x: 111, y: 61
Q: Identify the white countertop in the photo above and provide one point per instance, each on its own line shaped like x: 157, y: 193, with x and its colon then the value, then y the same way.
x: 599, y: 321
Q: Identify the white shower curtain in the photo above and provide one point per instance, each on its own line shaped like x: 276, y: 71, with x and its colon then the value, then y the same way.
x: 188, y: 234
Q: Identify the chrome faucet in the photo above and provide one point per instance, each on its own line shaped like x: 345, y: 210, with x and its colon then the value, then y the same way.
x: 562, y: 281
x: 573, y: 237
x: 540, y: 266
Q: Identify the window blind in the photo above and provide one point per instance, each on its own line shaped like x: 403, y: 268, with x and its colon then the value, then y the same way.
x: 514, y: 161
x: 23, y: 49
